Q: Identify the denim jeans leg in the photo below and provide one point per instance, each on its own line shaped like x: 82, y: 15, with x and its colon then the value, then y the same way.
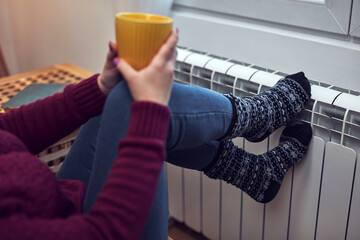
x: 78, y: 162
x: 196, y: 158
x: 113, y: 127
x: 157, y: 223
x: 198, y: 115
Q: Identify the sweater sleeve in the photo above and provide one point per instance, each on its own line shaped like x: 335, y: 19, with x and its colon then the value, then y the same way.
x: 122, y: 207
x: 46, y: 121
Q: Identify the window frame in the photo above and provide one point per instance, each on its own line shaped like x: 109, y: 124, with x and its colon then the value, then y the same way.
x: 327, y: 15
x: 355, y: 19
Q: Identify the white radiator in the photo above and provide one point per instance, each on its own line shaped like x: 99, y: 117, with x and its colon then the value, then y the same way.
x: 320, y: 196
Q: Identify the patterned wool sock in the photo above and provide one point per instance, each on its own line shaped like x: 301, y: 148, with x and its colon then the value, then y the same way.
x: 260, y: 176
x: 258, y: 116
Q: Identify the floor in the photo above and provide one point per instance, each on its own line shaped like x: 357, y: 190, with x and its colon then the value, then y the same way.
x: 179, y: 231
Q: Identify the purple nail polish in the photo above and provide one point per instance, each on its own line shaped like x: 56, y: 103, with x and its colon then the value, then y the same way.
x: 177, y: 30
x: 110, y: 46
x: 116, y: 60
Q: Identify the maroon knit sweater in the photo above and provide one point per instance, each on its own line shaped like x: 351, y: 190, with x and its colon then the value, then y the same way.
x: 35, y: 205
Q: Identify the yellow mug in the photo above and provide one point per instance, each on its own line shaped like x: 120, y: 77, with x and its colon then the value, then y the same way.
x: 139, y: 36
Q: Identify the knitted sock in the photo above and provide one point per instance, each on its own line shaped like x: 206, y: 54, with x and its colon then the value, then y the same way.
x: 258, y: 116
x: 260, y: 176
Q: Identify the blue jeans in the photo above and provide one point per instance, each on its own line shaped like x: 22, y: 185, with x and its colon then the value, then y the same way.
x: 198, y: 118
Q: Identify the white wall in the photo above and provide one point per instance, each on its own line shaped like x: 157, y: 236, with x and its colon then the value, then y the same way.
x: 49, y: 32
x: 7, y: 42
x: 39, y: 33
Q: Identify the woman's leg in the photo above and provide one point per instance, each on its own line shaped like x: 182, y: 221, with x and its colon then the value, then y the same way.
x: 197, y: 116
x: 112, y: 128
x: 258, y: 116
x: 101, y: 145
x: 78, y: 163
x: 197, y: 158
x: 193, y: 109
x: 157, y: 223
x: 260, y: 176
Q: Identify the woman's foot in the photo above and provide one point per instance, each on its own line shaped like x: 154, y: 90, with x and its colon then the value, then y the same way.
x: 258, y: 116
x: 260, y: 176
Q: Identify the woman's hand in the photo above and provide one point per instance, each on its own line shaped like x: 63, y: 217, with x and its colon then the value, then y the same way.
x: 154, y: 82
x: 110, y: 76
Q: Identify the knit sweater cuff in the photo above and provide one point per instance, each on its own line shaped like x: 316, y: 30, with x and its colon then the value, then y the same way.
x: 149, y: 119
x: 87, y: 97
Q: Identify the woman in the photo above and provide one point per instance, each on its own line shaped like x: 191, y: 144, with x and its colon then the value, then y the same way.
x: 34, y: 205
x: 201, y: 122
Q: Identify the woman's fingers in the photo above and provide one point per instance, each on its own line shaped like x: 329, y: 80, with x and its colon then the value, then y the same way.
x: 125, y: 69
x: 112, y: 53
x: 166, y: 51
x: 113, y: 47
x: 153, y: 83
